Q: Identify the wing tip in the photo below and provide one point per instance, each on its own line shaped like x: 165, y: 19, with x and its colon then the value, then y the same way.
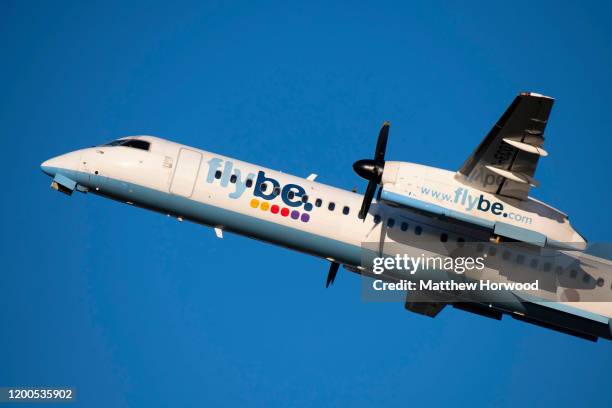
x: 536, y: 95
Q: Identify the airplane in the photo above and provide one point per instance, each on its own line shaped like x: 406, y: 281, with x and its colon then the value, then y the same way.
x: 417, y: 208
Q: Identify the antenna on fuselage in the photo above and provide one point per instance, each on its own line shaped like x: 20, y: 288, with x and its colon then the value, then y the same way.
x: 331, y: 275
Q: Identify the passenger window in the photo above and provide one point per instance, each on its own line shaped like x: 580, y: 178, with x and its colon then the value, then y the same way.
x: 534, y: 263
x: 506, y: 255
x: 586, y: 278
x: 520, y: 258
x: 443, y: 237
x: 249, y: 183
x: 600, y: 282
x: 390, y: 223
x: 460, y: 242
x: 547, y: 266
x: 418, y: 230
x: 318, y: 202
x: 404, y: 226
x: 218, y: 174
x: 573, y: 274
x: 233, y: 178
x: 331, y: 206
x: 346, y: 210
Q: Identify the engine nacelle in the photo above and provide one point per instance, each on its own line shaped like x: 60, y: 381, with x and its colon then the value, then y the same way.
x: 439, y: 192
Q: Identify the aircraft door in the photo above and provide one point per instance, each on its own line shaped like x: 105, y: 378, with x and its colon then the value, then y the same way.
x: 186, y: 172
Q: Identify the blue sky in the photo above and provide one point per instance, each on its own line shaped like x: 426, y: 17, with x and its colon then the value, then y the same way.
x: 136, y: 309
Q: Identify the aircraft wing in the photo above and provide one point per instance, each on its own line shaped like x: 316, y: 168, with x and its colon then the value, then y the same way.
x: 505, y: 161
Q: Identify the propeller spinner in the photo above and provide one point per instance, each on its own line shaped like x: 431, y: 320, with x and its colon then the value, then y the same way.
x: 372, y: 169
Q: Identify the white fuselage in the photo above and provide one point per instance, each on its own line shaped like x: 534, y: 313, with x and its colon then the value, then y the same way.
x: 215, y: 190
x: 157, y: 170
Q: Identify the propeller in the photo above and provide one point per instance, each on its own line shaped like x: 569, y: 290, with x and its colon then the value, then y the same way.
x: 372, y: 169
x: 331, y: 275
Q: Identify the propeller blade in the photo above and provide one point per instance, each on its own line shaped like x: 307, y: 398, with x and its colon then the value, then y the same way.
x: 372, y: 170
x: 331, y: 275
x: 381, y: 144
x: 367, y: 199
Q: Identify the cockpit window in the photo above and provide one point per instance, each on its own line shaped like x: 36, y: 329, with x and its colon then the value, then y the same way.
x: 135, y: 143
x: 114, y: 143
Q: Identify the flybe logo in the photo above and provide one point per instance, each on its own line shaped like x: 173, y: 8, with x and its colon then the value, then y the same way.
x: 293, y: 196
x: 471, y: 203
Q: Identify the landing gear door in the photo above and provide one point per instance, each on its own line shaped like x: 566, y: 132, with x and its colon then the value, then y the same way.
x: 186, y: 172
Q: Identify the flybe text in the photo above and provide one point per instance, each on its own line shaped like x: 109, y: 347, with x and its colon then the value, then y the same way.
x: 462, y: 197
x: 266, y: 188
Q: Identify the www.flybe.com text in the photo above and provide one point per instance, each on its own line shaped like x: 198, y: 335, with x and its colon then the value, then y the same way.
x: 463, y: 198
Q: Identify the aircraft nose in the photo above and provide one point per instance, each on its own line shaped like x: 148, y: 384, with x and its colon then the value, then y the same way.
x: 47, y: 168
x: 68, y: 161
